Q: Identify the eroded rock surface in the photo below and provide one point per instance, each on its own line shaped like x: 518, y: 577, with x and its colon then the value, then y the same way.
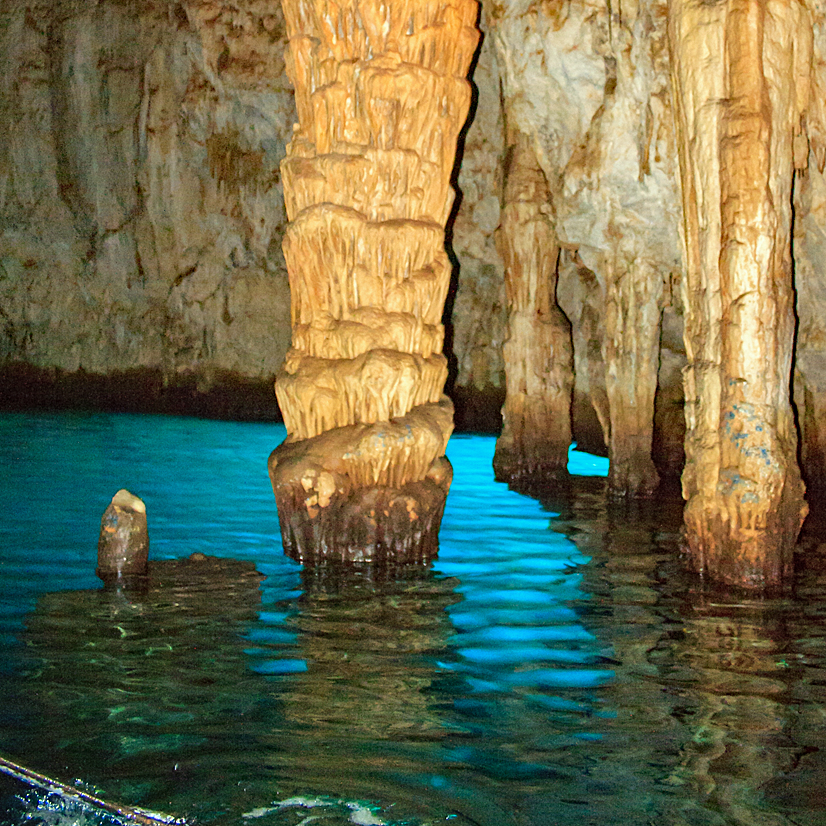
x: 589, y: 85
x: 381, y: 97
x: 742, y: 75
x: 538, y: 351
x: 142, y: 205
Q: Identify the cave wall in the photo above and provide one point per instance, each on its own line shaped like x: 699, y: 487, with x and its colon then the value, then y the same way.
x: 142, y: 209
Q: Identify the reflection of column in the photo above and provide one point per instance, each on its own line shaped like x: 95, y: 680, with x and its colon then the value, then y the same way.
x: 729, y: 665
x: 740, y: 70
x: 719, y: 708
x: 362, y: 707
x: 628, y: 542
x: 381, y: 96
x: 127, y: 677
x: 538, y: 353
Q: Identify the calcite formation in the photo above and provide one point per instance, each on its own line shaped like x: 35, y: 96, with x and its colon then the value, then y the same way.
x: 538, y: 352
x: 589, y: 85
x: 143, y: 216
x: 142, y: 205
x: 741, y: 71
x: 381, y: 94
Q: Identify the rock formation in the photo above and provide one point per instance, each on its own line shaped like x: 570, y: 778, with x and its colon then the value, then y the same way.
x: 123, y: 546
x: 142, y: 207
x: 538, y: 353
x: 589, y: 86
x: 142, y: 219
x: 381, y: 96
x: 741, y: 72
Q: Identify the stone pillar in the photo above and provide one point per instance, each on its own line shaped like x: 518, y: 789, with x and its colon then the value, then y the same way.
x: 740, y: 70
x: 538, y: 351
x: 630, y: 351
x: 381, y: 96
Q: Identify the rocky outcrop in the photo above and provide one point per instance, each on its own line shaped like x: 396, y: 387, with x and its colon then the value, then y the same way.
x: 381, y: 97
x: 589, y: 85
x: 142, y: 206
x: 809, y: 247
x: 742, y: 81
x: 123, y: 545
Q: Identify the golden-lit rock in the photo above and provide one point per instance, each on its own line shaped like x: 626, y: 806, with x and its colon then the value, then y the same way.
x: 538, y: 352
x: 741, y: 72
x: 589, y: 87
x: 123, y: 545
x: 381, y: 96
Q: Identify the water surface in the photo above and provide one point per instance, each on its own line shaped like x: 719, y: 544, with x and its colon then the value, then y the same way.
x: 554, y: 665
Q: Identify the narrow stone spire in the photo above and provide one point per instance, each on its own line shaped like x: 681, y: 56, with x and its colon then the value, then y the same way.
x: 538, y: 352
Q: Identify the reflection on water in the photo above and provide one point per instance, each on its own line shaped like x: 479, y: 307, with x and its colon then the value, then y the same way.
x: 554, y: 665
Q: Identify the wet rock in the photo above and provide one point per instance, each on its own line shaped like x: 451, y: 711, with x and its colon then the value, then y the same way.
x: 123, y: 547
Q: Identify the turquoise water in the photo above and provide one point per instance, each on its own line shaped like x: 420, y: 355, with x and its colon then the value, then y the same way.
x: 554, y: 665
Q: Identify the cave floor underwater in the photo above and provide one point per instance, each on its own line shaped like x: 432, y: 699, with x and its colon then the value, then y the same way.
x: 554, y: 664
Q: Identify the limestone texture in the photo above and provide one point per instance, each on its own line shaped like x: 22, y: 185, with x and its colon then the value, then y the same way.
x: 538, y: 352
x: 142, y: 210
x: 588, y: 84
x: 742, y: 79
x: 381, y: 96
x: 142, y: 217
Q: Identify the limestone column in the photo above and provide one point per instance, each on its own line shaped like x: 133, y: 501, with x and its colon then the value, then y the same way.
x: 630, y: 352
x: 538, y: 351
x: 740, y: 70
x: 381, y: 94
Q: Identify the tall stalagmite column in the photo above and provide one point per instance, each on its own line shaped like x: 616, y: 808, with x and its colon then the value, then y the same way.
x: 740, y: 70
x: 381, y: 96
x: 630, y: 350
x: 538, y: 352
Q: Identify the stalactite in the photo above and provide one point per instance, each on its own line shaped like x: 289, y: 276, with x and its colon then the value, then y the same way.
x: 740, y: 71
x: 381, y: 95
x: 538, y: 352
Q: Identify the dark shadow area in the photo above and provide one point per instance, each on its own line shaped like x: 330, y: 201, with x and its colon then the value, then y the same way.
x: 447, y: 315
x: 227, y: 397
x: 477, y: 411
x: 130, y: 681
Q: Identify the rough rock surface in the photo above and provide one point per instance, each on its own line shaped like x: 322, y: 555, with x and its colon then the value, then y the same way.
x: 809, y: 247
x: 590, y: 85
x: 123, y: 545
x: 538, y: 352
x: 142, y: 213
x: 381, y: 95
x: 142, y: 208
x: 742, y: 76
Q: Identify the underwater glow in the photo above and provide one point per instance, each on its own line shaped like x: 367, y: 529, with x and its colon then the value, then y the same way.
x: 554, y: 664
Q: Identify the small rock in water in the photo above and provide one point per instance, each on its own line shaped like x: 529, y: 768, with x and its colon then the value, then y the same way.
x: 123, y: 547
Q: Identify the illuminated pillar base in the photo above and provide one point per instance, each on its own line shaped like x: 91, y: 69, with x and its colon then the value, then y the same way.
x: 323, y: 518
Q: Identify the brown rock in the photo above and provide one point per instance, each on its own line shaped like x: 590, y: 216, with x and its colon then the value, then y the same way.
x: 741, y: 77
x: 123, y: 547
x: 538, y: 351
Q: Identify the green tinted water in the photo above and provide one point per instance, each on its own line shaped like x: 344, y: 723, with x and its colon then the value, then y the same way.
x: 554, y: 665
